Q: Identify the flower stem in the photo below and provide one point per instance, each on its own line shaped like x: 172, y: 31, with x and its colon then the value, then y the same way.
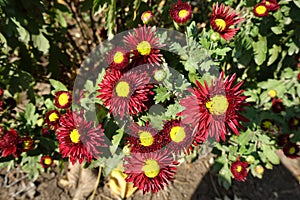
x: 97, y: 183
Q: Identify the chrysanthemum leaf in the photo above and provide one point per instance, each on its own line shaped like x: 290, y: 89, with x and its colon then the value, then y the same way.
x: 173, y: 110
x: 116, y: 139
x: 57, y: 85
x: 260, y: 50
x: 162, y: 94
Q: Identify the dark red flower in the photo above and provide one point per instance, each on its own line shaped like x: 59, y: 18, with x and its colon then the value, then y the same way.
x: 125, y: 94
x: 277, y: 105
x: 239, y: 170
x: 298, y: 74
x: 294, y: 123
x: 8, y: 143
x: 150, y: 172
x: 118, y: 58
x: 63, y: 99
x: 177, y: 136
x: 271, y: 5
x: 1, y: 92
x: 291, y: 150
x: 143, y: 139
x: 78, y: 138
x: 144, y: 46
x: 181, y: 13
x: 270, y: 126
x: 46, y: 161
x: 25, y: 143
x: 222, y: 20
x: 45, y: 132
x: 260, y: 10
x: 214, y: 110
x: 283, y: 139
x: 52, y: 117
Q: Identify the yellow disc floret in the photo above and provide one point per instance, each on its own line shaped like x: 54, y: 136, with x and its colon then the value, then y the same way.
x: 48, y: 161
x: 239, y: 168
x: 221, y: 24
x: 183, y: 14
x: 261, y: 9
x: 177, y: 134
x: 74, y: 136
x: 292, y: 150
x: 118, y: 57
x: 146, y: 138
x: 217, y: 105
x: 122, y: 89
x: 151, y: 168
x: 53, y: 117
x: 63, y: 99
x: 144, y: 48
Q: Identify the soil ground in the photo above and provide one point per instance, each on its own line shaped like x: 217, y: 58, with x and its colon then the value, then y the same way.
x: 193, y: 181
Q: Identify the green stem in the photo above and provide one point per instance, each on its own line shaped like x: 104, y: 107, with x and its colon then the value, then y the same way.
x: 97, y: 183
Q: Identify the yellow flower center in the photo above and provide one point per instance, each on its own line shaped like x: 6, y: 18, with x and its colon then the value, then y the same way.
x: 63, y: 99
x: 261, y: 9
x: 177, y: 134
x: 239, y: 169
x: 53, y: 117
x: 146, y: 138
x: 122, y: 89
x: 144, y: 48
x: 183, y: 13
x: 74, y: 136
x: 118, y: 57
x: 221, y: 24
x: 217, y: 105
x: 272, y: 93
x: 26, y: 144
x: 48, y: 161
x: 292, y: 150
x: 267, y: 124
x: 151, y: 168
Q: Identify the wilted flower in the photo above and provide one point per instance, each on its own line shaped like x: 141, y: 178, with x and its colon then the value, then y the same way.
x: 8, y: 143
x: 294, y: 123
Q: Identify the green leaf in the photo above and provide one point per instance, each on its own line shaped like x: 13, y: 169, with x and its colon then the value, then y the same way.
x: 260, y: 50
x: 274, y: 54
x: 297, y: 3
x: 173, y: 110
x: 136, y: 5
x: 41, y: 43
x: 116, y: 139
x: 293, y: 48
x: 277, y: 30
x: 110, y: 20
x: 30, y: 115
x: 270, y: 154
x: 224, y: 177
x: 162, y: 94
x: 57, y: 85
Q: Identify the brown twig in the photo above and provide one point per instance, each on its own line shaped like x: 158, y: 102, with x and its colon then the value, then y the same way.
x: 97, y: 183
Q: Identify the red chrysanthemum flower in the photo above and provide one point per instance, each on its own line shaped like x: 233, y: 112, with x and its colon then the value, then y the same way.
x: 181, y: 13
x: 1, y: 92
x: 150, y: 171
x: 291, y: 150
x: 294, y: 123
x: 213, y: 110
x: 283, y: 139
x: 298, y: 76
x: 63, y: 99
x: 177, y: 136
x: 78, y: 138
x: 125, y: 94
x: 147, y: 16
x: 277, y: 105
x: 239, y: 170
x: 272, y: 5
x: 25, y: 144
x: 8, y: 143
x: 143, y: 139
x: 118, y: 58
x: 222, y: 19
x: 52, y: 117
x: 260, y: 10
x: 144, y: 46
x: 46, y: 161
